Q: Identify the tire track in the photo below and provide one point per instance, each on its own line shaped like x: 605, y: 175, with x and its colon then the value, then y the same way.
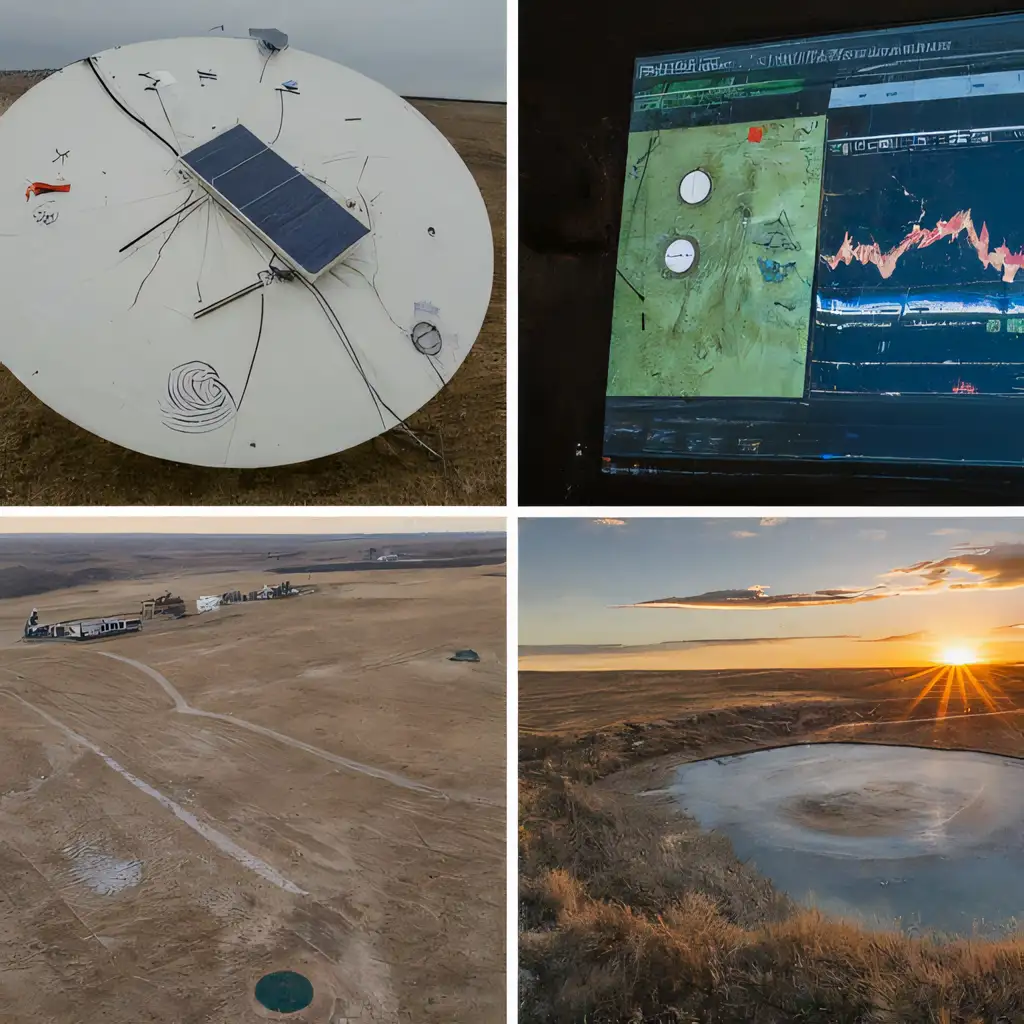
x: 210, y: 834
x: 184, y: 708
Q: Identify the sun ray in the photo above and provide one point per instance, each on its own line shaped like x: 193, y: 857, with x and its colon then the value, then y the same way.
x: 994, y: 686
x: 1007, y: 716
x: 944, y: 705
x: 928, y: 688
x: 917, y: 675
x: 982, y: 692
x: 961, y: 674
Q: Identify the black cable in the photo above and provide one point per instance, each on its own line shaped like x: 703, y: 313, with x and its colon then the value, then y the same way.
x: 335, y: 322
x: 280, y: 124
x: 427, y: 355
x: 433, y: 365
x: 254, y: 351
x: 332, y: 319
x: 356, y: 270
x: 340, y: 331
x: 182, y: 217
x: 134, y: 117
x: 202, y: 262
x: 265, y: 63
x: 167, y: 118
x: 376, y: 266
x: 372, y: 282
x: 149, y: 231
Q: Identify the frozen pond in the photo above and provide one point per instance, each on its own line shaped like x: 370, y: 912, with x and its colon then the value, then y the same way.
x: 103, y: 874
x: 933, y: 839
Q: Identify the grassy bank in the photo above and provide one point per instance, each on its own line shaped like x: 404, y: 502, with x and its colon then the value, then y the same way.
x: 629, y: 913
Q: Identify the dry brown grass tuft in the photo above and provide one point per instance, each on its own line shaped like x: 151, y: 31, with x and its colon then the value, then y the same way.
x: 46, y: 460
x: 630, y: 915
x: 630, y: 855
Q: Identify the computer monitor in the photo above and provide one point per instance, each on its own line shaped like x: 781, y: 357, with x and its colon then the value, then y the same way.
x: 821, y: 253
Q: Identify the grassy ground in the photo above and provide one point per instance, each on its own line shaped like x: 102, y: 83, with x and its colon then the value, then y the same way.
x: 46, y: 460
x: 629, y: 914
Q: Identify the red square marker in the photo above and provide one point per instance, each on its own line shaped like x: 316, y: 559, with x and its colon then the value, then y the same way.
x: 755, y: 134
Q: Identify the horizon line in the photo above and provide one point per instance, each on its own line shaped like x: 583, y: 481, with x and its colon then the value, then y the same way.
x: 435, y: 99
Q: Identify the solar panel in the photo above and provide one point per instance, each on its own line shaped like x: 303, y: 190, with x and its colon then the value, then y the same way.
x: 297, y: 217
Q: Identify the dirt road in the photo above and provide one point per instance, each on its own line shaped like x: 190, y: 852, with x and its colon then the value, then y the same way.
x: 306, y: 785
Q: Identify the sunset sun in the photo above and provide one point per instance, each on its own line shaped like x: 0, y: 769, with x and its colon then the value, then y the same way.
x: 958, y: 654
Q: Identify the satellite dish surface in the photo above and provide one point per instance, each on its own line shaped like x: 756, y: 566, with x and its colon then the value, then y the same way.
x: 229, y: 255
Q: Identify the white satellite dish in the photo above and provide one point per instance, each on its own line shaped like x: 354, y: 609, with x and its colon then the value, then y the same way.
x: 255, y: 256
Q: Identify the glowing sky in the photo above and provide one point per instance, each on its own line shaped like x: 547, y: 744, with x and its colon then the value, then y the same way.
x: 97, y: 521
x: 748, y: 593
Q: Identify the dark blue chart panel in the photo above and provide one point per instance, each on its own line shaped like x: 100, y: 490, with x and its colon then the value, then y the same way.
x: 914, y: 291
x: 302, y: 220
x: 919, y: 289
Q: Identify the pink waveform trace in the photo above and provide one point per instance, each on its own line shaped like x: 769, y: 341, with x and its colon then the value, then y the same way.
x: 1001, y: 259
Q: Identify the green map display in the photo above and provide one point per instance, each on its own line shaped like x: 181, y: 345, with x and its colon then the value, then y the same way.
x: 717, y: 250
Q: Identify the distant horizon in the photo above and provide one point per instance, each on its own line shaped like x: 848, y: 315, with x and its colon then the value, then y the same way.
x: 258, y: 536
x: 77, y: 525
x: 405, y: 96
x: 754, y: 671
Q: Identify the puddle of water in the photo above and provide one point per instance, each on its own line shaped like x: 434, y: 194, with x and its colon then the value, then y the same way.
x: 103, y: 874
x: 284, y: 991
x: 933, y: 839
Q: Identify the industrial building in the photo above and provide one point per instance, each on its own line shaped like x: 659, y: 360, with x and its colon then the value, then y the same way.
x: 80, y: 629
x: 166, y: 605
x: 209, y: 603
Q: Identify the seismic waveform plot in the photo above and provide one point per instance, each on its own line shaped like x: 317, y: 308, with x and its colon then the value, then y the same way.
x: 1001, y: 258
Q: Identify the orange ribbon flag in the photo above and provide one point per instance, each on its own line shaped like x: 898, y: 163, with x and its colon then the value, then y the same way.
x: 39, y: 186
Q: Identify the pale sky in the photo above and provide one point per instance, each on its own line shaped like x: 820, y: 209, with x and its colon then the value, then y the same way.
x: 445, y: 48
x: 255, y: 525
x: 771, y: 593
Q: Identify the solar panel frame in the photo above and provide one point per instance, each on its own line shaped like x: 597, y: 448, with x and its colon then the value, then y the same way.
x: 304, y: 225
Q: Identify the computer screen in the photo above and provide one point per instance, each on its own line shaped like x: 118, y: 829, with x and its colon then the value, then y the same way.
x: 820, y: 252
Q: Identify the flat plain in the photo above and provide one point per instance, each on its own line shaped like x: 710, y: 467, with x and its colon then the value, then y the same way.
x: 306, y: 784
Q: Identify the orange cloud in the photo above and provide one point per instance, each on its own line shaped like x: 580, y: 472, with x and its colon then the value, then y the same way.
x: 755, y: 597
x: 999, y: 567
x: 899, y: 638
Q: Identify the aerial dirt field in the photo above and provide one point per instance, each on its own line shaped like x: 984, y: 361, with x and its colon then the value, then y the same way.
x: 306, y: 784
x: 46, y: 460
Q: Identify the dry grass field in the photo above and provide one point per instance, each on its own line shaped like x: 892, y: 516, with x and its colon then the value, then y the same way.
x: 630, y: 914
x: 307, y: 784
x: 46, y: 460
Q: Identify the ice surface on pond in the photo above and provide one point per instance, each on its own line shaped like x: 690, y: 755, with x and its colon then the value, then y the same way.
x: 934, y: 838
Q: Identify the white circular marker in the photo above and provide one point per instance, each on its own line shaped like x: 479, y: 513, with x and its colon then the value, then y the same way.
x: 695, y: 187
x: 309, y: 339
x: 680, y: 256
